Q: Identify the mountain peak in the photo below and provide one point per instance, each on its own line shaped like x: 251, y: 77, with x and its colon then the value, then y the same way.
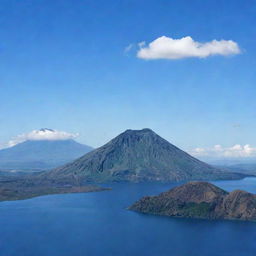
x: 196, y: 191
x: 132, y: 138
x: 41, y: 153
x: 142, y: 131
x: 45, y: 130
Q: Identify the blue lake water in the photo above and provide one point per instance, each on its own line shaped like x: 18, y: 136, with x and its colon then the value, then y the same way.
x: 98, y: 224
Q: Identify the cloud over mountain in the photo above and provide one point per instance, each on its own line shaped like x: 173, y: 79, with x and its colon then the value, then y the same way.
x: 42, y: 134
x: 169, y: 48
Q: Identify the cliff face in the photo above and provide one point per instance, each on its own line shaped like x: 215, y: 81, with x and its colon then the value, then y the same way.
x: 138, y: 155
x: 240, y: 205
x: 200, y: 200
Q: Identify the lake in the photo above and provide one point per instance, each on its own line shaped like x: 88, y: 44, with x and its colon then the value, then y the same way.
x: 98, y: 224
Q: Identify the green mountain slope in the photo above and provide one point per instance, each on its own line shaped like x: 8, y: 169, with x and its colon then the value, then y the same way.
x: 138, y: 155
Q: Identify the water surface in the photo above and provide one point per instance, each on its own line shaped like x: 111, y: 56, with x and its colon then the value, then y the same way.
x: 98, y: 223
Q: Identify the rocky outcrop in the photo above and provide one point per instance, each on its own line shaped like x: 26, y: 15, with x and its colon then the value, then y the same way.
x: 200, y: 200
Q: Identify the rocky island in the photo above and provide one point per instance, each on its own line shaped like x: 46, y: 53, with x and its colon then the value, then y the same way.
x: 199, y: 200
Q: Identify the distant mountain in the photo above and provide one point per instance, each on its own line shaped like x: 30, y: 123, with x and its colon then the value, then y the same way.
x: 249, y: 168
x: 200, y: 200
x: 41, y: 154
x: 229, y: 161
x: 138, y: 155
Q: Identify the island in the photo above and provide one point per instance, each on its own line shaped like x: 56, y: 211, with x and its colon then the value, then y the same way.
x: 200, y: 200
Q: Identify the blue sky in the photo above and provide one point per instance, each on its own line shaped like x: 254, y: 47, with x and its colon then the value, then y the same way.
x: 64, y: 66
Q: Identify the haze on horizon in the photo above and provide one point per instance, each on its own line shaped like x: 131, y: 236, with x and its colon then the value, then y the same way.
x: 97, y: 68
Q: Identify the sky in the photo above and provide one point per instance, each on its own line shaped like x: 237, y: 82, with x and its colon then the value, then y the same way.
x: 185, y: 69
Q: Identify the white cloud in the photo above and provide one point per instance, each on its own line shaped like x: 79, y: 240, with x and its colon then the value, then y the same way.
x: 42, y: 134
x: 217, y: 151
x: 128, y: 48
x: 169, y: 48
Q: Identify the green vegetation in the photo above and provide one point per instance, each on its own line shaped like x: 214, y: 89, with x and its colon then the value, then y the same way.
x: 200, y: 210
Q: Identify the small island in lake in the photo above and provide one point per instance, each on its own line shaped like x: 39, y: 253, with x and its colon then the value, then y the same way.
x: 199, y: 200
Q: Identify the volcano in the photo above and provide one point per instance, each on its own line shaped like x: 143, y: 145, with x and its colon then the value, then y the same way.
x: 137, y: 156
